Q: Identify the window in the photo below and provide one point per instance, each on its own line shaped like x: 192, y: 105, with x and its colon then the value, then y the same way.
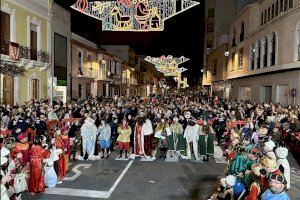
x: 116, y: 66
x: 269, y: 13
x: 265, y: 21
x: 35, y: 88
x: 276, y: 9
x: 258, y: 53
x: 233, y: 38
x: 232, y: 61
x: 285, y: 5
x: 60, y: 59
x: 273, y: 53
x: 209, y: 44
x: 252, y: 58
x: 211, y: 12
x: 262, y: 18
x: 281, y: 5
x: 291, y: 3
x: 241, y: 58
x: 33, y: 42
x: 79, y: 61
x: 215, y: 67
x: 266, y: 52
x: 80, y: 91
x: 5, y: 31
x: 273, y: 10
x: 210, y: 27
x: 242, y: 33
x: 89, y: 60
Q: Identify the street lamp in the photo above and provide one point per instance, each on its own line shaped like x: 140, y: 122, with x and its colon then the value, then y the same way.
x: 226, y: 53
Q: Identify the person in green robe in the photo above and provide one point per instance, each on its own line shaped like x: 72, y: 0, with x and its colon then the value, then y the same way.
x: 177, y: 143
x: 209, y: 132
x: 202, y: 144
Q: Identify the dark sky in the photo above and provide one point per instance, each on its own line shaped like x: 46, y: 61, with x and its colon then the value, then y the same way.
x: 183, y: 35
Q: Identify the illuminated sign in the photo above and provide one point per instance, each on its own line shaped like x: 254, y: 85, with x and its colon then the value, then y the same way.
x: 133, y: 15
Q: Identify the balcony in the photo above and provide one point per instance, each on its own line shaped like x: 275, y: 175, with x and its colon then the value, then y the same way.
x: 87, y: 73
x: 125, y: 81
x: 17, y: 52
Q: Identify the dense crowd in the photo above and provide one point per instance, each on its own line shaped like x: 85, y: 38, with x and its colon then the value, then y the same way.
x: 254, y: 138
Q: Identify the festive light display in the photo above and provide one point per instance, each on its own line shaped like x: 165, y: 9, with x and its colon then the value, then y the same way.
x: 168, y: 65
x: 133, y: 15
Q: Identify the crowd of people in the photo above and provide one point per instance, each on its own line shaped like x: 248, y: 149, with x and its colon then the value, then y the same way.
x: 179, y: 124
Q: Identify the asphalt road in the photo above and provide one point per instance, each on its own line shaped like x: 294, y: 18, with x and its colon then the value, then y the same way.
x: 155, y: 180
x: 137, y: 180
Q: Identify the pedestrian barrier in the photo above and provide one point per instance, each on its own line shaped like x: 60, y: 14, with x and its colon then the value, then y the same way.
x: 238, y: 124
x: 68, y: 122
x: 51, y: 126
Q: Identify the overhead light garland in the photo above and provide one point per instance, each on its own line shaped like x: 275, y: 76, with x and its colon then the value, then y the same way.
x: 168, y: 65
x: 133, y: 15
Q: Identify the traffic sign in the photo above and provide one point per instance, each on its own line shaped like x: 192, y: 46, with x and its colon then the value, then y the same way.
x: 293, y: 92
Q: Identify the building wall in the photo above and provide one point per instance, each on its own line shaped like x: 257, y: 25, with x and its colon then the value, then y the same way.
x: 290, y: 79
x: 27, y: 12
x: 88, y: 77
x: 61, y: 24
x: 275, y: 80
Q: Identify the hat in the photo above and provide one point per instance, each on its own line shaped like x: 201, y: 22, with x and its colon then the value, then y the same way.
x: 64, y: 129
x: 223, y: 182
x: 254, y: 151
x: 294, y: 117
x: 269, y: 163
x: 255, y: 168
x: 277, y: 177
x: 22, y: 136
x: 281, y: 152
x: 4, y: 151
x: 230, y: 180
x: 3, y: 160
x: 270, y: 144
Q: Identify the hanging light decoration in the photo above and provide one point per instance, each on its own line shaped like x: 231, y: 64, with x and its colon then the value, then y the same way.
x: 133, y: 15
x: 81, y: 5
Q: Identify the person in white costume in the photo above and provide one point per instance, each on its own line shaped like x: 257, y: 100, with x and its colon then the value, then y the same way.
x: 283, y: 164
x: 192, y: 137
x: 89, y: 134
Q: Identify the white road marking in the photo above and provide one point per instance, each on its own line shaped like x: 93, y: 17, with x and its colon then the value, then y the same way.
x: 88, y: 193
x: 77, y: 172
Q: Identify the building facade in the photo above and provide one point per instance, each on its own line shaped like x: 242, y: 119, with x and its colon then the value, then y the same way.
x: 264, y: 61
x: 59, y: 81
x: 84, y: 69
x: 218, y: 14
x: 25, y: 44
x: 262, y: 55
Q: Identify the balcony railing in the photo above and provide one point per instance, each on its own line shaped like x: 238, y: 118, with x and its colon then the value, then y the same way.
x: 18, y: 51
x: 86, y: 72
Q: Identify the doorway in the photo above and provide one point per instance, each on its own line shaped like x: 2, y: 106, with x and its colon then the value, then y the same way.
x: 266, y: 94
x: 7, y: 89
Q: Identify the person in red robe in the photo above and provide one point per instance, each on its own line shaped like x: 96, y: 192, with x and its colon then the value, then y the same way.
x: 138, y: 150
x: 23, y: 147
x: 37, y: 154
x: 67, y: 145
x: 60, y: 144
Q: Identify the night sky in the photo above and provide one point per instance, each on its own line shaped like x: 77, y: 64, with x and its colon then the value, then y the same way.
x: 183, y: 35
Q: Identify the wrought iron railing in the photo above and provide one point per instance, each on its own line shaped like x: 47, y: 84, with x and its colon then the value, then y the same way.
x: 23, y: 52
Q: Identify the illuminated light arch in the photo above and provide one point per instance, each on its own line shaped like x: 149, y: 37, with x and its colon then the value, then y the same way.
x: 132, y: 15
